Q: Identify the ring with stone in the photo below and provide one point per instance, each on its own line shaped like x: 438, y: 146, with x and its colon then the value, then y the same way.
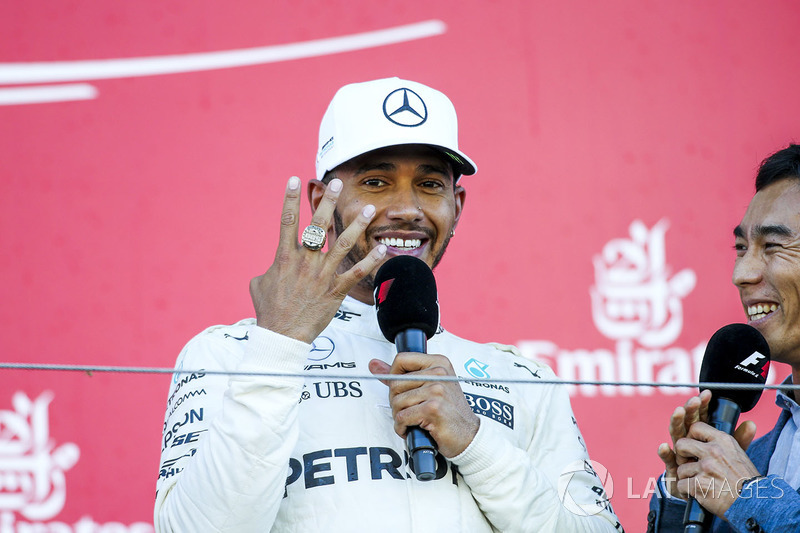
x: 313, y: 237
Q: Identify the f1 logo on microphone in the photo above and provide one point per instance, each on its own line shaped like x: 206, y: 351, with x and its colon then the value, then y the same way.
x: 755, y: 359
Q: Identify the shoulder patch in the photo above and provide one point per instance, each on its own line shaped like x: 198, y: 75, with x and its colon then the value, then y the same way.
x: 508, y: 348
x: 513, y: 350
x: 237, y: 331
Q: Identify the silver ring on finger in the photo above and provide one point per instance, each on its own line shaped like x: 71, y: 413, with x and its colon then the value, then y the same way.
x: 313, y: 237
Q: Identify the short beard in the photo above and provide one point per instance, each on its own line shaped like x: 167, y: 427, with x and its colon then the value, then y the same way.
x: 356, y: 253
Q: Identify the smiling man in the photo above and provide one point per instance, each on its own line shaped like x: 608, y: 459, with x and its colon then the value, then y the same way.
x: 316, y: 445
x: 415, y: 190
x: 754, y: 490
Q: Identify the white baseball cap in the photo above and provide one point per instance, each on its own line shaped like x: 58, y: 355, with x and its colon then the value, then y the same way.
x: 375, y: 114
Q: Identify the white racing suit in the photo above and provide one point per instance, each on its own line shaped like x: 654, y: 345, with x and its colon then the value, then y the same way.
x: 254, y: 453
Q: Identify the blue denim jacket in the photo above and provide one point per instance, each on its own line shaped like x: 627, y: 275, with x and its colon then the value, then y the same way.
x: 772, y: 507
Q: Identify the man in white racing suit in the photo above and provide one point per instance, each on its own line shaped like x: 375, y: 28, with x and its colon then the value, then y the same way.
x: 317, y: 444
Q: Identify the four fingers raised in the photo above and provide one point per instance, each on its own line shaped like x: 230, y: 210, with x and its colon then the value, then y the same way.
x: 323, y: 217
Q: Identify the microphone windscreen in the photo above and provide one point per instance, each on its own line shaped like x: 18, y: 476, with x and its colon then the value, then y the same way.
x: 736, y: 353
x: 405, y: 297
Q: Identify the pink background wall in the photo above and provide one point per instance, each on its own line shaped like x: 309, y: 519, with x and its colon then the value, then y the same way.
x: 134, y: 213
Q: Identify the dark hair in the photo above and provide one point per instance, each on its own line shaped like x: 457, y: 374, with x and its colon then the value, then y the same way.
x: 329, y: 175
x: 783, y: 164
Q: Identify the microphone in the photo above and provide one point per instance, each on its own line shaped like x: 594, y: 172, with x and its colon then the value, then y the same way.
x: 736, y: 353
x: 408, y: 315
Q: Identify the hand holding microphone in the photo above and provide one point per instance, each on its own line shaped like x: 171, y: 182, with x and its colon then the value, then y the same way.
x: 408, y: 315
x: 709, y: 461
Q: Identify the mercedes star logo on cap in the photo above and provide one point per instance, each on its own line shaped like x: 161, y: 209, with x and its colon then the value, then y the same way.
x: 404, y: 107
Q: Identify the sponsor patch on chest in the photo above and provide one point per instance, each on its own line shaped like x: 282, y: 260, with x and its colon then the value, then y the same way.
x: 491, y: 408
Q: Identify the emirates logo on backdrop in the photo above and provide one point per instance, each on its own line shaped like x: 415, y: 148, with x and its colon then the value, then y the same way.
x: 634, y: 297
x: 33, y: 468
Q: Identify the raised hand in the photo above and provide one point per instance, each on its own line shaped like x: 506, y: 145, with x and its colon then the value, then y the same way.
x: 714, y: 479
x: 683, y: 418
x: 301, y: 291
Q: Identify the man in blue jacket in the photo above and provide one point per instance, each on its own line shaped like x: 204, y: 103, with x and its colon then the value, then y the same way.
x: 756, y: 490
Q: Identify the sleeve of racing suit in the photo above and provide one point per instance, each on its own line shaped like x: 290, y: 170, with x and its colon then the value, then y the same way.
x: 550, y: 486
x: 229, y: 472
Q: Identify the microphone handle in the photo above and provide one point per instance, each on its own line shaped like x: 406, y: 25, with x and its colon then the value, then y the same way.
x: 697, y: 519
x: 421, y: 446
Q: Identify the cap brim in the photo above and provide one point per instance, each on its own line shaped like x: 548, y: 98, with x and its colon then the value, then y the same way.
x: 462, y: 165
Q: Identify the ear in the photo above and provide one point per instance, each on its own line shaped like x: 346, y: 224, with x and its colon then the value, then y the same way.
x: 316, y: 189
x: 460, y: 197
